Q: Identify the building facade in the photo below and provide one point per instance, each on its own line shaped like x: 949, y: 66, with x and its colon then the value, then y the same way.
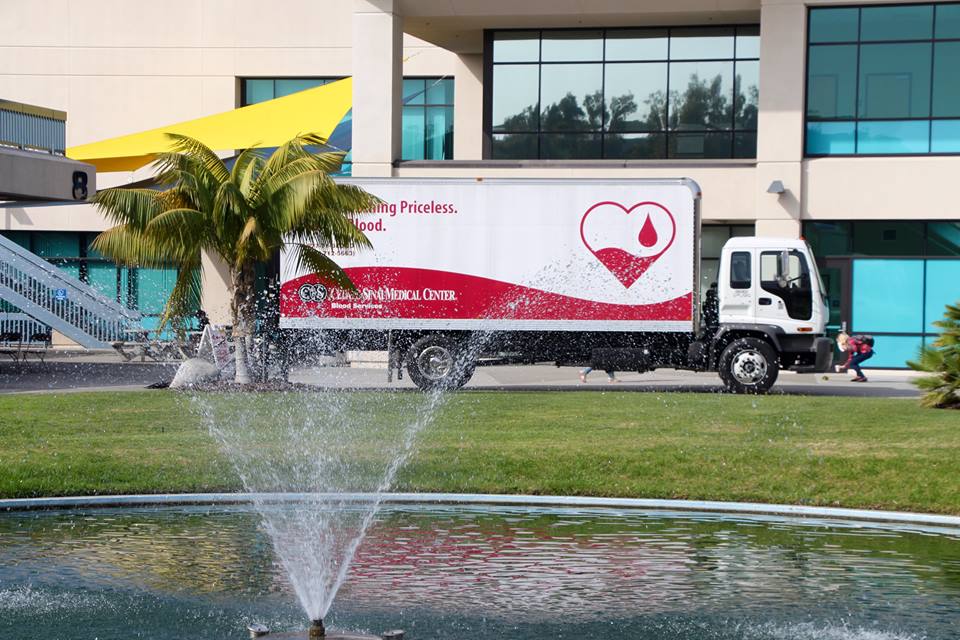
x: 854, y: 108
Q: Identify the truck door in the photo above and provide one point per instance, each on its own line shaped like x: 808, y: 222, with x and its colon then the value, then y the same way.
x: 737, y: 286
x: 784, y: 295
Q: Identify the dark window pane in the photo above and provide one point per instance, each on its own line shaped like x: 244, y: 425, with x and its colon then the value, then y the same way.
x: 570, y: 146
x: 898, y: 136
x: 700, y: 145
x: 948, y: 21
x: 745, y: 144
x: 896, y: 23
x: 258, y: 90
x: 740, y: 270
x: 637, y: 44
x: 516, y: 46
x: 832, y: 89
x: 701, y: 95
x: 748, y: 42
x: 571, y: 97
x: 834, y: 25
x: 830, y: 138
x: 636, y: 96
x: 440, y: 91
x: 946, y: 79
x: 895, y: 80
x: 284, y: 87
x: 439, y: 133
x: 828, y: 238
x: 888, y: 238
x: 943, y: 239
x: 572, y: 46
x: 514, y: 146
x: 635, y: 145
x: 701, y: 44
x: 747, y: 95
x: 945, y: 136
x: 413, y: 133
x: 414, y: 90
x: 515, y: 97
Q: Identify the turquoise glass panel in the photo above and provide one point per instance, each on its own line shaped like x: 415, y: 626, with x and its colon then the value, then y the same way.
x: 22, y: 238
x: 828, y: 138
x: 71, y: 269
x: 56, y: 244
x: 440, y: 91
x: 895, y: 80
x: 834, y: 25
x: 153, y: 289
x: 887, y: 296
x: 439, y: 133
x: 946, y: 136
x: 899, y: 136
x: 414, y: 133
x: 943, y: 239
x: 948, y: 21
x: 943, y: 288
x: 896, y: 23
x: 102, y: 276
x: 832, y: 82
x: 946, y: 79
x: 892, y: 352
x: 414, y: 90
x: 258, y: 90
x: 286, y: 86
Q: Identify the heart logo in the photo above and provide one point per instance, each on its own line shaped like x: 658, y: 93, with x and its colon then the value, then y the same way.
x: 627, y: 241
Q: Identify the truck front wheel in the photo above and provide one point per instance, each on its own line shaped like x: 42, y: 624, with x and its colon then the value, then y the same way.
x: 749, y: 365
x: 439, y: 363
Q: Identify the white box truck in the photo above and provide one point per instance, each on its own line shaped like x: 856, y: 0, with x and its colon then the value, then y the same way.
x: 600, y: 272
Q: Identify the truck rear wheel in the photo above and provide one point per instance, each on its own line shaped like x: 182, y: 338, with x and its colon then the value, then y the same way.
x: 439, y: 363
x: 749, y: 365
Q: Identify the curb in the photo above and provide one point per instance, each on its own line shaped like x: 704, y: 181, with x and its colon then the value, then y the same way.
x: 745, y: 508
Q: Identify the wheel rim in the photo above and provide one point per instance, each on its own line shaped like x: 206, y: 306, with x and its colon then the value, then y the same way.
x: 435, y: 362
x: 749, y: 367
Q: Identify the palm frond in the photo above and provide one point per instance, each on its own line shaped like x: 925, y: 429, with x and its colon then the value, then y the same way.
x: 310, y: 259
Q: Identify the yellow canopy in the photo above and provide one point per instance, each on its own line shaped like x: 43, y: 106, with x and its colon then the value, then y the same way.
x: 266, y: 124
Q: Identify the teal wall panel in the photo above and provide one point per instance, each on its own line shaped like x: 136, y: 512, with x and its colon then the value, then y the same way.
x: 888, y: 296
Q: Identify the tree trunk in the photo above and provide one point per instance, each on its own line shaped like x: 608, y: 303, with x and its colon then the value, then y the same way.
x: 241, y: 308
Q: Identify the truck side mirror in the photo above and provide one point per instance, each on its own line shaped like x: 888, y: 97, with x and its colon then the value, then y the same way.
x: 783, y: 268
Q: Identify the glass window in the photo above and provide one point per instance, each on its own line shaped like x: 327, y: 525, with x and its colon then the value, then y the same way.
x: 789, y: 280
x: 831, y: 138
x: 740, y: 277
x: 941, y: 289
x: 891, y: 238
x: 879, y: 89
x: 257, y: 90
x: 515, y: 97
x: 896, y: 23
x: 834, y: 25
x: 943, y: 239
x: 439, y: 133
x: 635, y: 146
x: 895, y: 80
x: 286, y: 86
x: 948, y: 21
x: 658, y: 93
x: 832, y: 82
x: 701, y: 95
x: 517, y: 46
x: 427, y: 119
x: 946, y: 79
x: 414, y: 133
x: 701, y: 44
x: 414, y: 91
x: 514, y: 146
x: 712, y: 239
x: 635, y: 97
x: 636, y: 44
x: 572, y: 46
x: 571, y: 97
x: 898, y: 136
x: 828, y: 238
x: 440, y: 91
x: 875, y: 284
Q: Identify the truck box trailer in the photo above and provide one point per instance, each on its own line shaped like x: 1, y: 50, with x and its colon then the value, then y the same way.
x: 604, y: 272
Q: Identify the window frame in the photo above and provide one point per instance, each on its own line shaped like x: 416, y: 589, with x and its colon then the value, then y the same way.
x: 858, y: 43
x: 735, y: 133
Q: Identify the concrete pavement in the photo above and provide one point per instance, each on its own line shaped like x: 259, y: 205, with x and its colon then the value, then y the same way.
x: 88, y: 371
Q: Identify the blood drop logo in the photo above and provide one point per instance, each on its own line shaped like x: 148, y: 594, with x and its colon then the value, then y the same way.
x: 628, y: 240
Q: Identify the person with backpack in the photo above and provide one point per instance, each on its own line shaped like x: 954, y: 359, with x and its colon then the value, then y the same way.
x: 859, y: 350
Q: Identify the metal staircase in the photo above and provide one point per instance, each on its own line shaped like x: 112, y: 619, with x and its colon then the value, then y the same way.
x: 63, y: 303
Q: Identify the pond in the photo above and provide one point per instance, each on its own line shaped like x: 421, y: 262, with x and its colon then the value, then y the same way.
x: 482, y: 572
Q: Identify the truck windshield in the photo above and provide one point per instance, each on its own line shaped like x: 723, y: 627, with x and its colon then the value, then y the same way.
x: 792, y: 285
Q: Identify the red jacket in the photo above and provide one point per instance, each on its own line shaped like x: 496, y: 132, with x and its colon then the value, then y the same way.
x: 856, y: 346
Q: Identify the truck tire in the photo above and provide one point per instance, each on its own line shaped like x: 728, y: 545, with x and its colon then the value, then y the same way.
x: 439, y: 363
x: 749, y: 365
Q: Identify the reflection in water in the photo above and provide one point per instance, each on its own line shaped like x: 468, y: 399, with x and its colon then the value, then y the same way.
x: 447, y: 572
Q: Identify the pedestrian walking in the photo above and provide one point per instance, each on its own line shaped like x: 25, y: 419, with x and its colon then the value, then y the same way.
x: 611, y: 375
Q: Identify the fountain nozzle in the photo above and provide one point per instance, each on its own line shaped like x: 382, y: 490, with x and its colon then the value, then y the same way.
x: 316, y: 629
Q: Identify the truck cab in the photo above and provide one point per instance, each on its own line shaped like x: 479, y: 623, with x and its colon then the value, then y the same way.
x: 772, y: 313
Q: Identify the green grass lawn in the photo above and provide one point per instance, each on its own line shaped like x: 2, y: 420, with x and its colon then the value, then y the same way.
x: 852, y: 452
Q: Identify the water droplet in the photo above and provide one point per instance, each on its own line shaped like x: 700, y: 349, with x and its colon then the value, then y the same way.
x: 648, y: 234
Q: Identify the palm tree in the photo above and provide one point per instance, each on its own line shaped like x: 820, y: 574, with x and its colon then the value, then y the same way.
x: 243, y: 215
x: 942, y: 359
